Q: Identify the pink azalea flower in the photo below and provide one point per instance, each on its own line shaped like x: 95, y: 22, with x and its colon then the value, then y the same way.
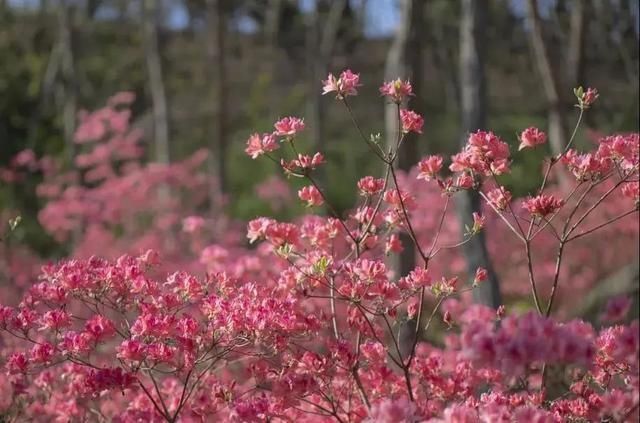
x: 370, y: 185
x: 258, y: 145
x: 345, y: 85
x: 543, y: 205
x: 396, y: 90
x: 429, y: 167
x: 411, y: 121
x: 311, y: 196
x: 289, y: 126
x: 532, y: 137
x: 499, y: 198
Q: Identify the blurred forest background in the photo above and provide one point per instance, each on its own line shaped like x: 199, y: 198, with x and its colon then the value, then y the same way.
x: 207, y: 73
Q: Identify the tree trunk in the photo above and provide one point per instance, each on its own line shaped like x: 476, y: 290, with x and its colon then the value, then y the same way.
x: 216, y: 30
x: 271, y: 54
x: 444, y: 60
x: 272, y: 22
x: 361, y: 18
x: 575, y: 54
x: 322, y: 41
x: 156, y: 83
x: 550, y: 82
x: 91, y: 8
x: 473, y: 98
x: 68, y: 74
x: 314, y: 104
x: 404, y: 60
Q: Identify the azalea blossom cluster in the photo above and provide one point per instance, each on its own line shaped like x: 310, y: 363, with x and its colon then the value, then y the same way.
x: 510, y: 264
x: 111, y: 202
x: 258, y: 145
x: 127, y: 347
x: 115, y: 331
x: 314, y: 323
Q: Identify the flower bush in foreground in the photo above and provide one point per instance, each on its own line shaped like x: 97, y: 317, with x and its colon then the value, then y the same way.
x: 305, y: 327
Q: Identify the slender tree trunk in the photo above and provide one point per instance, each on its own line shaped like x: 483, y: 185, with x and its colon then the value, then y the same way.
x: 550, y: 82
x: 322, y: 41
x: 602, y: 38
x: 271, y: 53
x: 92, y: 7
x: 68, y: 74
x: 121, y: 7
x: 361, y: 17
x: 314, y: 103
x: 47, y: 89
x: 404, y: 60
x: 575, y: 53
x: 216, y: 31
x: 444, y: 61
x: 272, y: 22
x: 156, y: 82
x: 473, y: 27
x: 43, y: 7
x: 69, y: 89
x: 330, y: 31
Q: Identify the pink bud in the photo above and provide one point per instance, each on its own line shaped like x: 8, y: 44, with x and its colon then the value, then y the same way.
x: 481, y: 275
x: 447, y: 318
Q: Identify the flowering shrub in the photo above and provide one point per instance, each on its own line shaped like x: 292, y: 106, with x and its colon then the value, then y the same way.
x: 312, y: 325
x: 110, y: 202
x: 87, y: 201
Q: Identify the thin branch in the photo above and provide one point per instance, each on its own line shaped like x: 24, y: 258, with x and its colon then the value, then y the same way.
x: 613, y: 219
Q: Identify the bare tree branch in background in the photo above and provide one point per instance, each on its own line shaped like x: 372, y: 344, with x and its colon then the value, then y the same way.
x: 156, y: 82
x: 216, y: 36
x: 473, y: 98
x: 550, y: 83
x: 404, y: 60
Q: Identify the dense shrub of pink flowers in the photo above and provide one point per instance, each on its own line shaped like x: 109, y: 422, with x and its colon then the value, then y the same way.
x: 313, y: 324
x: 110, y: 191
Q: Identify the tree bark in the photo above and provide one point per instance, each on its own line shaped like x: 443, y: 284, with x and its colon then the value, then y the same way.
x: 550, y: 82
x: 404, y: 60
x: 473, y: 99
x: 156, y: 82
x: 216, y: 31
